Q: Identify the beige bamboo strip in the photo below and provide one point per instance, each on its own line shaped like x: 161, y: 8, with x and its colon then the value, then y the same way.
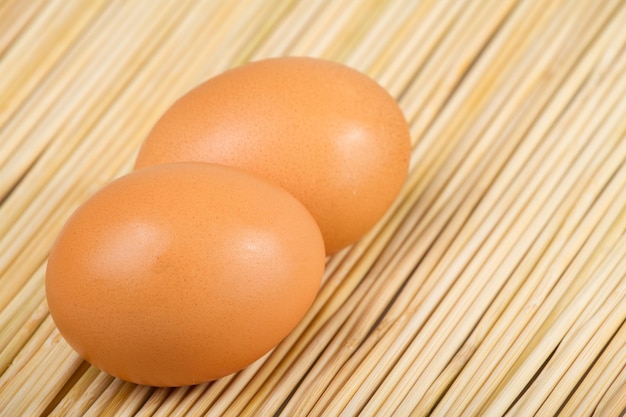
x: 447, y: 126
x: 409, y: 50
x: 82, y: 394
x: 614, y: 401
x: 131, y: 403
x: 218, y: 398
x: 574, y: 360
x: 582, y: 266
x: 513, y: 293
x: 425, y: 174
x: 21, y: 358
x: 99, y: 406
x: 53, y: 361
x: 23, y: 324
x: 66, y: 387
x: 466, y: 322
x: 183, y: 406
x: 173, y: 399
x: 563, y: 301
x: 524, y: 314
x: 14, y: 17
x: 597, y: 381
x: 23, y: 335
x: 72, y: 82
x: 21, y: 307
x: 286, y: 31
x: 425, y: 356
x: 611, y: 398
x: 591, y: 261
x: 571, y: 359
x: 463, y: 383
x: 325, y: 28
x: 246, y: 31
x: 378, y: 37
x: 569, y: 93
x: 424, y: 98
x: 20, y: 231
x: 126, y: 400
x: 352, y: 32
x: 214, y: 392
x: 493, y: 108
x: 150, y: 407
x: 57, y: 25
x: 510, y: 292
x: 506, y: 47
x: 485, y: 366
x: 467, y: 349
x: 85, y: 91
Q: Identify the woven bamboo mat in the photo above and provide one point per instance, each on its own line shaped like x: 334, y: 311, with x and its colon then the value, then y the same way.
x: 496, y: 285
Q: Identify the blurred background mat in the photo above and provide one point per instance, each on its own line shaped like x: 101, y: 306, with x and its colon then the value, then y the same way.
x: 496, y: 285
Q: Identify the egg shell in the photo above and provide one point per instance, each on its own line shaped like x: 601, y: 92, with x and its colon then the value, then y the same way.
x: 327, y: 133
x: 182, y: 273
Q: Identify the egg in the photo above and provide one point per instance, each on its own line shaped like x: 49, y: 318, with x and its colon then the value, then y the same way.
x: 182, y: 273
x: 328, y: 134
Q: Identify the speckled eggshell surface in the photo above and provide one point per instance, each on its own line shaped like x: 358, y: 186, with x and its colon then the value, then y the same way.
x: 182, y: 273
x: 328, y: 134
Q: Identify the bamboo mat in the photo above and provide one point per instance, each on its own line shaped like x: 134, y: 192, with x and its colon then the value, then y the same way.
x: 496, y: 285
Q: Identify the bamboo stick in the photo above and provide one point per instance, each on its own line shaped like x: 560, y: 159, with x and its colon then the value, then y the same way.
x: 14, y: 17
x: 58, y: 25
x: 60, y: 363
x: 153, y: 403
x: 463, y: 383
x: 21, y: 307
x: 569, y: 357
x: 73, y: 82
x: 429, y: 342
x: 579, y: 267
x: 83, y: 393
x: 614, y: 401
x: 598, y: 380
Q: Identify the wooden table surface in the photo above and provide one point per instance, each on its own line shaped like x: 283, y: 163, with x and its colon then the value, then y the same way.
x: 495, y: 285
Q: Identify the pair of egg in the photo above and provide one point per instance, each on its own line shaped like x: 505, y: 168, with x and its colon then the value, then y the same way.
x: 207, y: 255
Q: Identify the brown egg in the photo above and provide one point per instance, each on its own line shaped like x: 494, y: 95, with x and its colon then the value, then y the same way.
x: 183, y: 273
x: 328, y: 134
